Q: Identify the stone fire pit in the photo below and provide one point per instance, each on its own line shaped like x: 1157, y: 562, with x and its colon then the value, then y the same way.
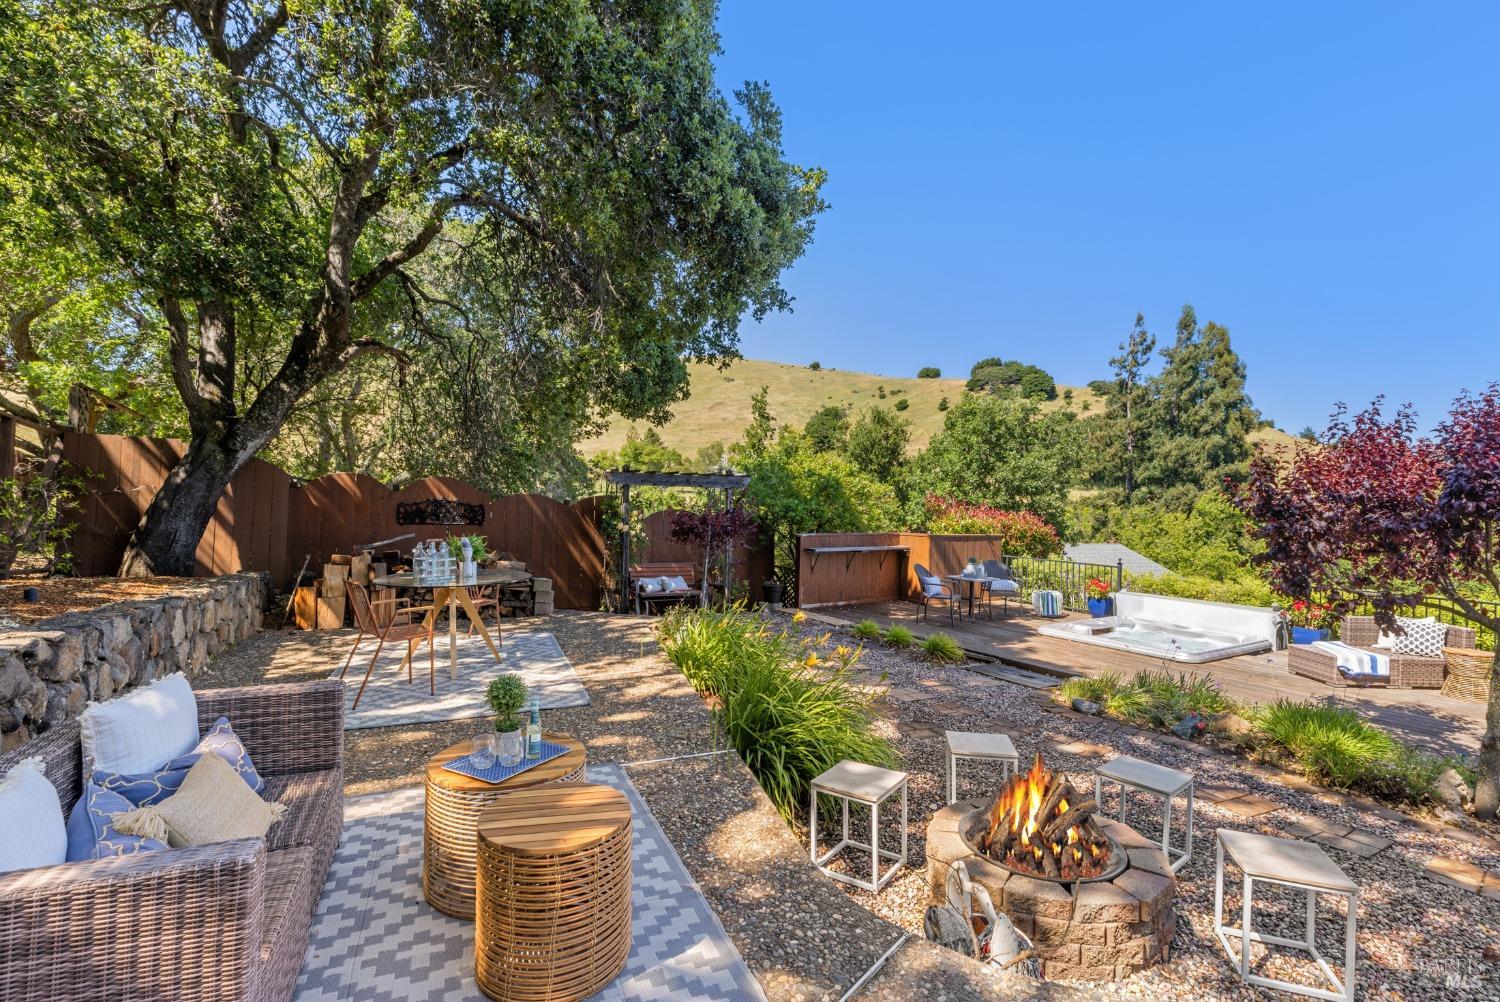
x: 1102, y: 930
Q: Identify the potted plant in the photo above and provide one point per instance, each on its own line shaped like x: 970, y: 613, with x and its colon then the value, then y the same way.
x: 771, y: 591
x: 1100, y: 602
x: 506, y: 696
x: 972, y: 568
x: 1306, y: 620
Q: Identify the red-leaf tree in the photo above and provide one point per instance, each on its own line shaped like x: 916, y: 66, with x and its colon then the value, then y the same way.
x: 1376, y: 513
x: 718, y: 531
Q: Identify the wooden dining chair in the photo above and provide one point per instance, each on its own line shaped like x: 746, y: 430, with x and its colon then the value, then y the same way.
x: 484, y: 597
x: 383, y: 619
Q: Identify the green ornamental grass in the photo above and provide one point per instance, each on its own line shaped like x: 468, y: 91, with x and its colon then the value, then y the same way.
x: 787, y: 722
x: 899, y: 637
x: 867, y: 629
x: 1335, y: 745
x: 943, y: 648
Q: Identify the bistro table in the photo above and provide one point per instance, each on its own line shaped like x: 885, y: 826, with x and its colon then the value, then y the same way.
x: 972, y: 582
x: 454, y: 593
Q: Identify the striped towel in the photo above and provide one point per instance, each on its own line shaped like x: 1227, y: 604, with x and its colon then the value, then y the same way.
x: 1354, y: 662
x: 1047, y: 603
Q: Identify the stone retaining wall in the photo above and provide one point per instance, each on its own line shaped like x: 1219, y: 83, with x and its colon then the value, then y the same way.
x: 49, y: 671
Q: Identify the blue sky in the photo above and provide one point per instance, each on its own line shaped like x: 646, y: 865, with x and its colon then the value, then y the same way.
x: 1019, y: 181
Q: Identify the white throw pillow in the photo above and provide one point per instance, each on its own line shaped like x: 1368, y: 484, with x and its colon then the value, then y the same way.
x: 32, y: 830
x: 142, y: 730
x: 649, y: 586
x: 674, y: 584
x: 1386, y: 641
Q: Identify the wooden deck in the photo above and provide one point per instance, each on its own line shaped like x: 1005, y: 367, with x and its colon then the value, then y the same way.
x: 1417, y: 716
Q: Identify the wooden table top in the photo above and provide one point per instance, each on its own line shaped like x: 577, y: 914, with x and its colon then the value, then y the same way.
x: 567, y: 817
x: 548, y: 772
x: 484, y: 576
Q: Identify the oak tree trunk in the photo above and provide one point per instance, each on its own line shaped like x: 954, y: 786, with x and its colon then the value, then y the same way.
x: 166, y: 541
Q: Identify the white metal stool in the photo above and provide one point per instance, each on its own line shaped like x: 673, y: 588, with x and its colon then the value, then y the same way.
x: 1148, y: 777
x: 1292, y: 864
x: 869, y: 785
x: 986, y: 747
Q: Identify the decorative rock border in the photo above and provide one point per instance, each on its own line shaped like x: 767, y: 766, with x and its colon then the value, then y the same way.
x: 52, y: 669
x: 1103, y: 931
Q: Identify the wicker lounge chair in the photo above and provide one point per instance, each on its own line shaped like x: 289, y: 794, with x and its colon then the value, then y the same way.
x: 1407, y: 671
x: 227, y: 921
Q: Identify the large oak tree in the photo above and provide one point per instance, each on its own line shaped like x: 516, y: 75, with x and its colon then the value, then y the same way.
x: 270, y: 172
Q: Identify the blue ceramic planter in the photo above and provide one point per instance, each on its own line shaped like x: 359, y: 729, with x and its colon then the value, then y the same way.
x: 1307, y: 635
x: 1101, y: 607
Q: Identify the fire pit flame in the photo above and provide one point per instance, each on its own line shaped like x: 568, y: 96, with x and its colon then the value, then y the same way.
x: 1040, y: 825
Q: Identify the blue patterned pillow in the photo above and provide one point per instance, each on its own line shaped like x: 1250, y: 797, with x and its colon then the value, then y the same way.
x: 91, y: 831
x: 147, y: 788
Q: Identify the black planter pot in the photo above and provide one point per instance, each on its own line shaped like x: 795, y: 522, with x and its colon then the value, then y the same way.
x: 771, y: 591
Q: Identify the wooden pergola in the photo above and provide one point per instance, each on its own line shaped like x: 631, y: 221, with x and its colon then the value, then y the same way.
x: 626, y: 479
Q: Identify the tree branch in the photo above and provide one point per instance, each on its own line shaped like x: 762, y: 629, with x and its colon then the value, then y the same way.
x: 392, y: 262
x: 179, y: 353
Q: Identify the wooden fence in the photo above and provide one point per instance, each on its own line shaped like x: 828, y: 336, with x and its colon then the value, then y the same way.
x: 844, y: 575
x: 266, y: 521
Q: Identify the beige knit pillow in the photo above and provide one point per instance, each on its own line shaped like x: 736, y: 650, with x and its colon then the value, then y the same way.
x: 214, y: 804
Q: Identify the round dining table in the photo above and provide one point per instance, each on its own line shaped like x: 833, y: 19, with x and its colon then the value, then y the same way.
x: 453, y: 591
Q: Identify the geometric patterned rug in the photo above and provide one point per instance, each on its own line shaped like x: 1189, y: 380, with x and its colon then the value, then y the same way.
x: 390, y: 700
x: 375, y: 938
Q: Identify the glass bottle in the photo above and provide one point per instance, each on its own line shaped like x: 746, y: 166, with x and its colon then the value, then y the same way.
x: 534, y: 730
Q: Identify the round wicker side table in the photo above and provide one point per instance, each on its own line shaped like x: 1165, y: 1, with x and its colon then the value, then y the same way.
x: 553, y: 923
x: 1468, y: 674
x: 454, y: 802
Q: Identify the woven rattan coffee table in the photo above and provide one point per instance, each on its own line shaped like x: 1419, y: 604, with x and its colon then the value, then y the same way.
x: 553, y: 922
x: 453, y: 806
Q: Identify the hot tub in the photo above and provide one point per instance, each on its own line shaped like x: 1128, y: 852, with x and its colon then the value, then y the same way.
x: 1177, y: 629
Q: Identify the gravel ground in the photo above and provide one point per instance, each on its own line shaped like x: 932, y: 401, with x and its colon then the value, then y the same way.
x: 809, y: 938
x: 801, y: 935
x: 1417, y: 938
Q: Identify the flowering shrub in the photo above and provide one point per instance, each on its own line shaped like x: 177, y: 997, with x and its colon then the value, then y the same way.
x: 1097, y: 588
x: 1020, y: 532
x: 1309, y: 614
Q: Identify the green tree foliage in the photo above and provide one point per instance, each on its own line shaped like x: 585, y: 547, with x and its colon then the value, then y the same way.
x: 828, y: 429
x: 929, y: 372
x: 1001, y: 451
x: 644, y: 452
x: 794, y: 488
x: 1129, y: 396
x: 877, y: 444
x: 269, y: 176
x: 1198, y: 414
x: 1206, y: 541
x: 815, y: 366
x: 991, y: 375
x: 760, y: 433
x: 902, y: 404
x: 943, y: 404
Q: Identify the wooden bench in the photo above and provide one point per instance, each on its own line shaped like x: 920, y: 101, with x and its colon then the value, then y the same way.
x: 686, y: 571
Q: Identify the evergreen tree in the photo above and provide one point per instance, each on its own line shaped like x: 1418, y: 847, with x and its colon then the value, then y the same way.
x: 1199, y: 414
x: 1126, y: 400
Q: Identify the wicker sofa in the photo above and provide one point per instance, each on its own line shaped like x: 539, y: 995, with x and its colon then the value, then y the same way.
x: 1407, y: 671
x: 227, y: 921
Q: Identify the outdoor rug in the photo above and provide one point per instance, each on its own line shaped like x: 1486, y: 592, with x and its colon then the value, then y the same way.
x: 375, y: 938
x: 389, y: 700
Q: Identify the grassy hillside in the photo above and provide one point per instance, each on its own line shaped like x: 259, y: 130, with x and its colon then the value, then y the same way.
x: 719, y: 407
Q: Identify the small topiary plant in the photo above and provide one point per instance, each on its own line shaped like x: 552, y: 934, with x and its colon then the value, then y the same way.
x: 867, y: 629
x: 943, y: 648
x: 506, y: 695
x: 899, y: 637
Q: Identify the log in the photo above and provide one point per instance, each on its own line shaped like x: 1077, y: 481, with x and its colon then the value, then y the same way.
x: 1077, y: 814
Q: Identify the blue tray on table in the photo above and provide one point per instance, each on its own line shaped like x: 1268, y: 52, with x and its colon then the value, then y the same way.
x: 497, y: 773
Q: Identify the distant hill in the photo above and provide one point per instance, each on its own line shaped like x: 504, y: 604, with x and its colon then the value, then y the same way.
x: 719, y: 407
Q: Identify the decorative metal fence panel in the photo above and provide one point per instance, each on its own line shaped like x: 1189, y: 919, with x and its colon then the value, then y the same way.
x: 1070, y: 577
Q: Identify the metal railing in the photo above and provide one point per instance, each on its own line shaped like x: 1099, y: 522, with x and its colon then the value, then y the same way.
x: 1070, y: 577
